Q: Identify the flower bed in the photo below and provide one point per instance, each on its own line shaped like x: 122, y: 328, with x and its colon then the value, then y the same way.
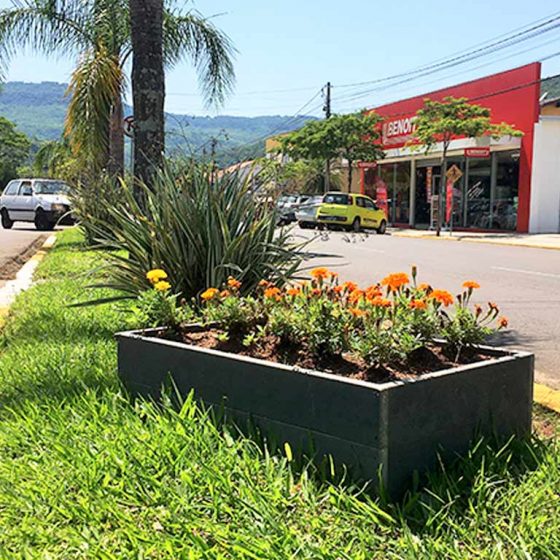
x: 389, y: 330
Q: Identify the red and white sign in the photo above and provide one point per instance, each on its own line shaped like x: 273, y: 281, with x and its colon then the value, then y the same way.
x: 128, y: 126
x: 398, y: 130
x: 483, y: 152
x: 381, y: 195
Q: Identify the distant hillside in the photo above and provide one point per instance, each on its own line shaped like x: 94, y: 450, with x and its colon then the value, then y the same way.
x: 39, y: 108
x: 551, y: 86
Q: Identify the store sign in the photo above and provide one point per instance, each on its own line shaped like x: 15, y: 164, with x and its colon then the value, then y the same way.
x: 483, y: 152
x: 429, y: 174
x: 398, y: 130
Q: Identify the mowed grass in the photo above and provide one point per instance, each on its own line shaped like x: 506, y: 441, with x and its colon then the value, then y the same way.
x: 84, y: 473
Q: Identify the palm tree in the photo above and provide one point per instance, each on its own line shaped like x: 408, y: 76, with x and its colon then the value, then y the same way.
x: 98, y: 33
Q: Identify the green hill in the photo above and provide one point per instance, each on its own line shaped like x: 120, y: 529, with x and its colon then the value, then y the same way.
x: 38, y: 109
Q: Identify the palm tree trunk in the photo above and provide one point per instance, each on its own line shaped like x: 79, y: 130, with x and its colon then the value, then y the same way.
x: 116, y: 140
x: 148, y: 86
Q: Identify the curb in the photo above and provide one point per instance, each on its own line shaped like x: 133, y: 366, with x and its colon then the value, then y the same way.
x: 23, y: 279
x: 547, y: 397
x: 473, y: 240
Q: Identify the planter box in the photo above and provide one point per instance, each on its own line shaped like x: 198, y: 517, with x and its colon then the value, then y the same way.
x: 399, y: 427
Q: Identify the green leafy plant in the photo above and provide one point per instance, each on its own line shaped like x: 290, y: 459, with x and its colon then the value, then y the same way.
x: 200, y: 232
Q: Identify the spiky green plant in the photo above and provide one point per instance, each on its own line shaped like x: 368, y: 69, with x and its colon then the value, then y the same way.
x: 199, y: 231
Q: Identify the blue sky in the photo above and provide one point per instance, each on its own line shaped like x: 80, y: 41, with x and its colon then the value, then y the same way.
x: 302, y: 44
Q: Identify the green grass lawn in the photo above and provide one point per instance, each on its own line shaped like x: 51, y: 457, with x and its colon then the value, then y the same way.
x: 86, y: 474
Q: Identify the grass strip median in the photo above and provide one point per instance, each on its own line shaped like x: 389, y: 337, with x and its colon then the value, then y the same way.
x: 86, y: 474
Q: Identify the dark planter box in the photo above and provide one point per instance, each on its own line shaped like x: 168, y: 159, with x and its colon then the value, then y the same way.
x: 395, y: 428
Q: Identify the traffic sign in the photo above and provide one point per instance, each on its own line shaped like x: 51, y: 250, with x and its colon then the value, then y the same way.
x: 128, y: 126
x: 454, y: 173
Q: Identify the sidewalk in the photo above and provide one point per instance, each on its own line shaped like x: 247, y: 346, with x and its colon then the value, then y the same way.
x: 534, y: 240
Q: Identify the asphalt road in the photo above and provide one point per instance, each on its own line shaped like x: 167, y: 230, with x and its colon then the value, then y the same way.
x: 14, y: 242
x: 524, y: 282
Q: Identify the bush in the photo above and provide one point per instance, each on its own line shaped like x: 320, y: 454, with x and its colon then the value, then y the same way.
x: 198, y: 230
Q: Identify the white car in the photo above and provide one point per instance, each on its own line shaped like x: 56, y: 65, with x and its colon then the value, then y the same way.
x: 41, y: 201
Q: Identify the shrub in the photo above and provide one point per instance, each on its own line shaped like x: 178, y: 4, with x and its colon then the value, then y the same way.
x: 199, y: 230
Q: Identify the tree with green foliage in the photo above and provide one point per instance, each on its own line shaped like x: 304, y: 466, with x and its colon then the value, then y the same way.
x: 14, y: 150
x: 352, y: 137
x: 98, y: 33
x: 453, y: 117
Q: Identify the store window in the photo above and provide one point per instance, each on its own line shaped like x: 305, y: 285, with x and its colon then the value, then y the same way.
x: 506, y: 194
x: 478, y: 189
x: 401, y: 193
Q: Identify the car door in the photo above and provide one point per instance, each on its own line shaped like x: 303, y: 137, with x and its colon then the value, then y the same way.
x: 26, y: 201
x: 8, y: 198
x: 372, y: 215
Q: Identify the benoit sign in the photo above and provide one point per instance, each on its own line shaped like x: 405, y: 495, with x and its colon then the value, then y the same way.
x: 483, y: 152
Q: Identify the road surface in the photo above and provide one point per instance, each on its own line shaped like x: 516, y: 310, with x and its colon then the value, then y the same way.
x: 13, y: 242
x: 524, y: 282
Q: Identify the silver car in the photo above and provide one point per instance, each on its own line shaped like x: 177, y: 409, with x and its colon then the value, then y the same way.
x: 306, y: 214
x: 40, y: 201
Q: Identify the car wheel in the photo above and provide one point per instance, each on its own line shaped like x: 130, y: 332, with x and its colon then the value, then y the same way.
x: 42, y: 222
x: 6, y: 222
x: 382, y: 228
x: 304, y: 225
x: 356, y: 225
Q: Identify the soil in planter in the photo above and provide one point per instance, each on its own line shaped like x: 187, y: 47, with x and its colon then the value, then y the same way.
x: 424, y: 360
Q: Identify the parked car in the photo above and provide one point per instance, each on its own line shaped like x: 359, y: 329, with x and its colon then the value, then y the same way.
x: 351, y: 211
x: 287, y: 206
x: 306, y: 214
x: 41, y: 201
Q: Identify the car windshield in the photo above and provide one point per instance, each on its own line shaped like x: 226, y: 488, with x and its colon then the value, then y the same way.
x: 337, y: 199
x: 51, y: 187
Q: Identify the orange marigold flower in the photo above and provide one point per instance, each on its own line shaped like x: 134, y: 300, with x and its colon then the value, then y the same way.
x: 225, y: 293
x: 418, y: 304
x: 338, y: 289
x: 373, y: 292
x: 442, y: 296
x: 209, y: 294
x: 355, y: 296
x: 380, y: 302
x: 265, y: 284
x: 350, y: 286
x: 357, y: 312
x: 395, y: 281
x: 272, y: 292
x: 503, y: 322
x: 471, y: 285
x: 233, y: 283
x: 424, y: 287
x: 320, y: 273
x: 293, y: 291
x: 333, y: 275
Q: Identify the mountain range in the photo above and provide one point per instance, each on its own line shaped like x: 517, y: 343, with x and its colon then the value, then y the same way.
x: 38, y: 109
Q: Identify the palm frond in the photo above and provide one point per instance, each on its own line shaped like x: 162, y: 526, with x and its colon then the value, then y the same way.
x: 210, y: 50
x: 95, y: 84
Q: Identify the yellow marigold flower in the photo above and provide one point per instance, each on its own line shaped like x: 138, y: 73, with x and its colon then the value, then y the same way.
x: 162, y: 286
x: 442, y: 296
x: 320, y: 273
x: 395, y: 281
x: 233, y: 283
x: 209, y: 294
x: 155, y: 275
x: 471, y: 285
x: 418, y: 304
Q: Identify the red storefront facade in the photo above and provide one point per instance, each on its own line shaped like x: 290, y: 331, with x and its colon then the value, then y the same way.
x: 495, y: 190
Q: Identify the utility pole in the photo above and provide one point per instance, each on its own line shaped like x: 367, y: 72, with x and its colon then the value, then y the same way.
x: 213, y: 145
x: 327, y: 109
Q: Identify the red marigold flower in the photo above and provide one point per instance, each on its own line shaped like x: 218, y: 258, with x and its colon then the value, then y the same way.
x: 395, y: 281
x: 338, y: 289
x: 477, y: 310
x: 418, y: 304
x: 471, y: 285
x: 503, y: 322
x: 316, y: 292
x: 442, y: 296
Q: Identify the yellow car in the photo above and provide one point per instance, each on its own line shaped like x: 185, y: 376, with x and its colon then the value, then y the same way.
x: 351, y: 211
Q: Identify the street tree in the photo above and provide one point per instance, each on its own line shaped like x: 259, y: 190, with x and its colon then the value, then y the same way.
x: 453, y: 117
x: 98, y: 34
x: 14, y: 150
x: 353, y: 137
